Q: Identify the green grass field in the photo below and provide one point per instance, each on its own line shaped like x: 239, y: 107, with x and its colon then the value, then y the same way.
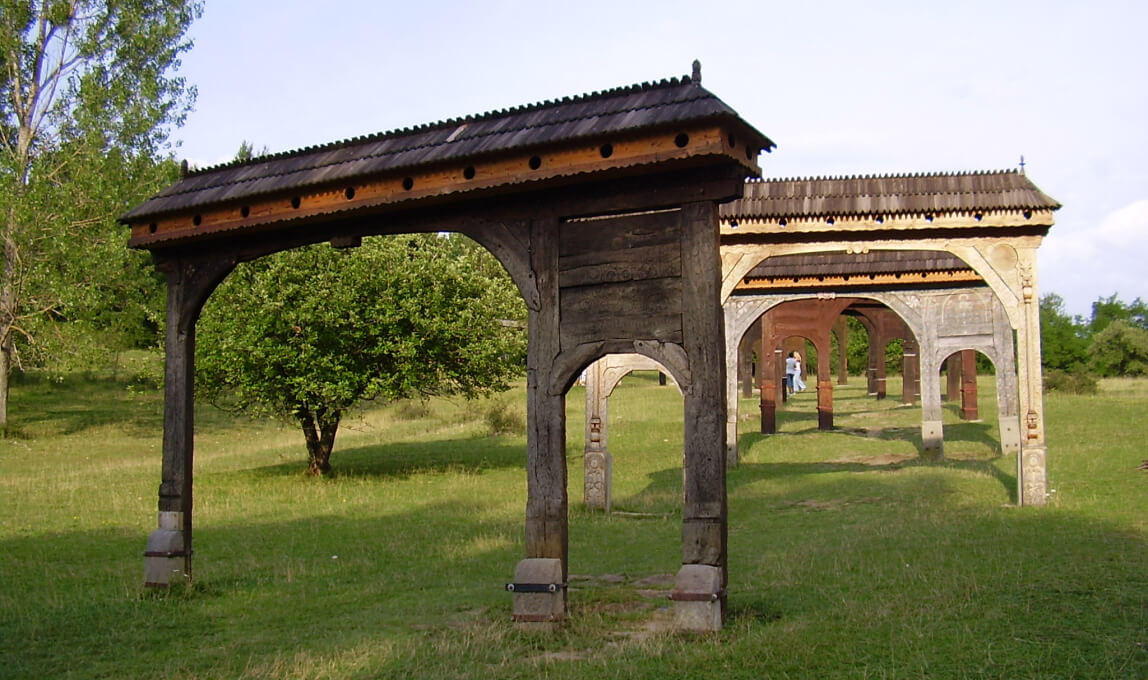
x: 849, y: 558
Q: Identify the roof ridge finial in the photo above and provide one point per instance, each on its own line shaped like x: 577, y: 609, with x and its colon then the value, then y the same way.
x: 696, y: 78
x: 1022, y: 164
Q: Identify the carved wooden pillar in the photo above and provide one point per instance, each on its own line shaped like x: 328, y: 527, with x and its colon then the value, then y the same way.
x: 1005, y: 352
x: 969, y: 384
x: 597, y: 461
x: 169, y: 548
x: 703, y: 333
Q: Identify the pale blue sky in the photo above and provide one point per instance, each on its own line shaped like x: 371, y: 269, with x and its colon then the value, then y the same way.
x: 842, y: 87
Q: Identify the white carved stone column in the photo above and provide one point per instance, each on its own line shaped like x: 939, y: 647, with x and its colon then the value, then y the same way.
x: 597, y: 461
x: 1032, y: 480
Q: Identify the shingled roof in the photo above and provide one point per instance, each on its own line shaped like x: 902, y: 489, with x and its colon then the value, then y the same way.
x: 961, y: 193
x: 855, y: 264
x: 597, y: 116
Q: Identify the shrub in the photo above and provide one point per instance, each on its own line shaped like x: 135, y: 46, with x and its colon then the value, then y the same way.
x: 1076, y: 381
x: 502, y: 418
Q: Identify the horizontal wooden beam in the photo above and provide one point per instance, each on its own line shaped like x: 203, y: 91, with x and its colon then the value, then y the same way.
x: 660, y: 150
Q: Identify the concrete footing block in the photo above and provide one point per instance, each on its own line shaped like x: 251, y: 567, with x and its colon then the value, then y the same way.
x: 539, y: 593
x: 933, y: 440
x: 165, y: 559
x: 699, y: 599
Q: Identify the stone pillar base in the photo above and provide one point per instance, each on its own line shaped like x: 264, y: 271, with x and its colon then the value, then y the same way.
x: 731, y: 453
x: 699, y: 599
x: 165, y: 560
x: 539, y: 594
x: 1010, y: 434
x: 932, y: 439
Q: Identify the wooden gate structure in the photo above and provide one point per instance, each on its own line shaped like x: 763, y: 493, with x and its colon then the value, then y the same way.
x: 945, y: 261
x: 603, y: 208
x: 953, y: 255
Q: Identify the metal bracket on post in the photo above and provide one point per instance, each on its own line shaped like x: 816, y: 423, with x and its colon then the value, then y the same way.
x: 539, y: 593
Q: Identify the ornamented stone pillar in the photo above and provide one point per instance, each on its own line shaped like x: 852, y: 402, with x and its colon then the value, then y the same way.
x: 597, y: 459
x: 1031, y: 464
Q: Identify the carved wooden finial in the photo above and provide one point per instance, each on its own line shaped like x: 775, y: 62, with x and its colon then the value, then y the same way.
x: 696, y: 78
x: 183, y: 168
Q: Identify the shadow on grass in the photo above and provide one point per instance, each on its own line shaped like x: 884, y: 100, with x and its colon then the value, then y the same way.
x: 403, y: 459
x: 419, y: 593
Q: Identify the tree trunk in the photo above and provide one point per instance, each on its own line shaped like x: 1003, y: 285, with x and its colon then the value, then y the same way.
x: 5, y: 372
x: 319, y: 430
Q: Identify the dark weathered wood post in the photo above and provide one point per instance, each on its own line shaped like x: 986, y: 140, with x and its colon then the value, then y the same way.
x: 167, y: 558
x: 546, y: 499
x: 841, y: 330
x: 953, y: 377
x: 824, y: 382
x: 768, y: 376
x: 704, y: 512
x: 910, y: 369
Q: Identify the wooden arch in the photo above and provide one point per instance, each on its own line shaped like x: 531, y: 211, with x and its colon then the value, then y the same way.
x: 821, y: 230
x: 604, y: 210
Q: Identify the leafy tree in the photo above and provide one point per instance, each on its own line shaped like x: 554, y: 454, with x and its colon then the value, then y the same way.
x: 87, y: 101
x: 1063, y: 339
x: 307, y: 334
x: 1120, y: 349
x: 1107, y: 310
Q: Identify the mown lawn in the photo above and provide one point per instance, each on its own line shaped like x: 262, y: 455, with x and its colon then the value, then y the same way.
x: 849, y: 558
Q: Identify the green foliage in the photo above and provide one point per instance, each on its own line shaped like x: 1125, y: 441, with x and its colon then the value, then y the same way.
x: 309, y: 333
x: 1076, y: 381
x: 1121, y: 349
x: 88, y: 97
x: 502, y: 418
x: 1063, y: 339
x: 1107, y: 310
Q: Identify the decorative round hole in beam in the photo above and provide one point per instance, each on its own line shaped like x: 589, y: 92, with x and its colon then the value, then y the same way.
x: 197, y: 220
x: 151, y: 228
x: 349, y: 192
x: 829, y: 220
x: 928, y: 218
x: 468, y: 172
x: 606, y: 150
x: 296, y: 202
x: 783, y: 221
x: 408, y: 183
x: 880, y: 219
x: 1027, y: 214
x: 535, y: 162
x: 978, y: 217
x: 681, y: 140
x: 245, y: 212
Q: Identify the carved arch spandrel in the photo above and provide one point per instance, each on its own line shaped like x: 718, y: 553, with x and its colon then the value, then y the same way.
x: 569, y: 364
x: 509, y: 243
